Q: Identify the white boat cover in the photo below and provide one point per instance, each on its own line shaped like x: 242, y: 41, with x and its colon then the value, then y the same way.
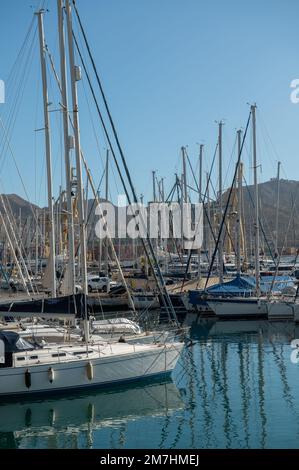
x: 116, y: 325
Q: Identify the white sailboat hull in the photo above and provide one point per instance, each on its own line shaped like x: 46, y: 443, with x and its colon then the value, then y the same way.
x: 273, y: 310
x: 150, y: 361
x: 281, y: 310
x: 238, y: 307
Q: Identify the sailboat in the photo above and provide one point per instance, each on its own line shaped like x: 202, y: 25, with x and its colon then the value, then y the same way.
x: 249, y: 302
x: 277, y: 307
x: 27, y: 369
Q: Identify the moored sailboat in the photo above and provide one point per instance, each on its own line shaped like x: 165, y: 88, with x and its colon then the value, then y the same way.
x: 29, y: 370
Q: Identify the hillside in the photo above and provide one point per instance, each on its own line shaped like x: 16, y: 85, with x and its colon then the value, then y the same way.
x: 288, y: 223
x: 17, y: 204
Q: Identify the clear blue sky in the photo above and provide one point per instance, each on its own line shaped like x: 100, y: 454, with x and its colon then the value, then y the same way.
x: 170, y: 68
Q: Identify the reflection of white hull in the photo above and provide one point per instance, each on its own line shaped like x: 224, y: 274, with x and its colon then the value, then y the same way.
x: 74, y: 413
x: 238, y: 307
x: 116, y: 363
x: 232, y: 327
x: 283, y: 329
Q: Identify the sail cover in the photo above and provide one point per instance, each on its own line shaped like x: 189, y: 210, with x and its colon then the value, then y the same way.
x: 61, y: 307
x: 14, y: 343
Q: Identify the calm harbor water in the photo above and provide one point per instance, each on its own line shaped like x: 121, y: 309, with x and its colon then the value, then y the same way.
x: 235, y: 388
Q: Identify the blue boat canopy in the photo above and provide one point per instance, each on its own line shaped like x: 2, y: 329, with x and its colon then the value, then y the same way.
x: 241, y: 286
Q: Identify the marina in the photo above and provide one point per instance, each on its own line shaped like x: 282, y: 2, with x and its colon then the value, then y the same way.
x: 236, y: 388
x: 149, y: 294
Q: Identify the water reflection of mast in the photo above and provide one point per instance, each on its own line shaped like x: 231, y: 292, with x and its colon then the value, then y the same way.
x: 201, y: 389
x: 177, y: 437
x: 191, y: 375
x: 261, y: 385
x: 216, y: 367
x: 227, y: 408
x: 244, y: 394
x: 122, y: 435
x: 279, y: 361
x: 204, y: 395
x: 187, y: 359
x: 215, y: 373
x: 164, y: 430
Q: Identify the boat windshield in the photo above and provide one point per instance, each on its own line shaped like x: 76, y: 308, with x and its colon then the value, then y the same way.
x: 23, y: 345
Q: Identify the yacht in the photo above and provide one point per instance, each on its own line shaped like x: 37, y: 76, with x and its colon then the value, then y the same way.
x: 26, y: 369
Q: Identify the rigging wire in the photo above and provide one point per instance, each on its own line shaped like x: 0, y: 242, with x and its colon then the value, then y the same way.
x: 16, y: 101
x: 18, y: 170
x: 150, y: 254
x: 227, y: 204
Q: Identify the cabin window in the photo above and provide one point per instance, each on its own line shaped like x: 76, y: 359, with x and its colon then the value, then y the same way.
x: 82, y: 352
x: 21, y: 358
x: 33, y: 357
x: 58, y: 354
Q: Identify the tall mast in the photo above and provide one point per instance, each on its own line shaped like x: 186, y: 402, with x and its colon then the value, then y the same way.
x: 106, y: 197
x: 277, y: 208
x: 162, y: 190
x: 146, y: 244
x: 154, y: 185
x: 200, y: 196
x: 65, y: 116
x: 75, y: 76
x: 239, y: 208
x: 209, y: 215
x: 256, y: 202
x: 163, y: 222
x: 36, y: 243
x: 200, y: 171
x: 182, y: 213
x: 220, y: 248
x: 154, y: 241
x: 51, y: 259
x: 184, y: 198
x: 184, y: 175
